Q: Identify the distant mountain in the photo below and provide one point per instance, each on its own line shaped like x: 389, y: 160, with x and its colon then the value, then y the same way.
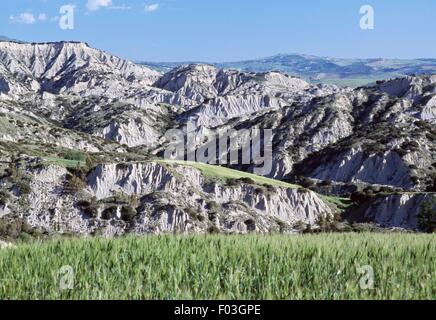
x: 4, y: 38
x: 64, y: 67
x: 349, y: 72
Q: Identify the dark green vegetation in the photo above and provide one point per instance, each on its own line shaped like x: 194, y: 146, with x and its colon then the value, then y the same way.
x: 219, y: 267
x: 427, y: 217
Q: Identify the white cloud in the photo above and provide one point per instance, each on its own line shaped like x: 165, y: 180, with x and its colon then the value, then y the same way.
x: 122, y: 7
x: 25, y: 17
x: 152, y: 7
x: 94, y: 5
x: 42, y: 17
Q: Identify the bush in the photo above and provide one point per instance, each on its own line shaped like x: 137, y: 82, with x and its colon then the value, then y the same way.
x: 13, y: 227
x: 412, y: 146
x: 303, y: 190
x: 270, y: 188
x: 75, y: 155
x: 90, y: 208
x: 246, y: 180
x: 24, y: 188
x: 193, y: 213
x: 259, y: 190
x: 4, y: 197
x: 213, y: 230
x: 109, y: 213
x: 301, y: 226
x: 75, y: 184
x: 427, y: 217
x: 362, y: 197
x: 306, y: 182
x: 251, y: 225
x: 128, y: 213
x: 325, y: 223
x: 232, y: 182
x: 212, y: 216
x: 90, y: 162
x: 213, y: 206
x: 364, y: 227
x: 326, y: 183
x: 432, y: 186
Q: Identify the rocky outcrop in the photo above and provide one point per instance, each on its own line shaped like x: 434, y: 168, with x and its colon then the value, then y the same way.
x: 70, y: 67
x: 393, y: 211
x: 164, y: 198
x: 354, y: 166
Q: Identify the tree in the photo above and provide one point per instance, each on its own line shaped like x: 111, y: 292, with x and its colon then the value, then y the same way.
x: 427, y: 217
x: 432, y: 186
x: 90, y: 161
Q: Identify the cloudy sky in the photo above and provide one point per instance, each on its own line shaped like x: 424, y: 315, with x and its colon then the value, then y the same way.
x: 228, y: 30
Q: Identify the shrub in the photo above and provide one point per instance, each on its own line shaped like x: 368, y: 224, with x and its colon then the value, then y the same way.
x: 213, y: 230
x: 134, y: 200
x: 246, y: 180
x: 410, y: 145
x: 231, y: 182
x: 301, y: 226
x: 193, y: 214
x: 251, y: 225
x: 90, y: 162
x: 326, y: 183
x: 282, y: 226
x: 128, y: 213
x: 306, y: 182
x: 4, y: 197
x: 24, y: 187
x: 427, y: 217
x: 83, y: 203
x: 75, y: 184
x: 362, y: 197
x: 385, y: 189
x: 270, y: 188
x: 75, y: 155
x: 109, y: 213
x: 364, y: 227
x: 13, y: 227
x: 432, y: 186
x: 303, y: 190
x: 212, y: 216
x: 213, y: 206
x: 324, y: 223
x: 90, y: 208
x: 259, y: 190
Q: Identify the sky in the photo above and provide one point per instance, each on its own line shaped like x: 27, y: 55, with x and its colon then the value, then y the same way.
x: 230, y: 30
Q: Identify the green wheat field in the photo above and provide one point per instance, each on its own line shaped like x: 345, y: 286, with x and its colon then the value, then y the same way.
x: 325, y: 266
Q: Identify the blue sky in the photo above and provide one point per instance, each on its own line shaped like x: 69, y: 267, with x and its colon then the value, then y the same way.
x: 229, y: 30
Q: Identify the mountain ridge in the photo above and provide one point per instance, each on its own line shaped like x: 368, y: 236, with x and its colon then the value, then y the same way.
x: 342, y: 71
x: 82, y: 135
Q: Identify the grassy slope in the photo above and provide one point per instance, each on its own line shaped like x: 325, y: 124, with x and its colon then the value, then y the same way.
x: 63, y: 162
x: 223, y: 174
x: 218, y: 267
